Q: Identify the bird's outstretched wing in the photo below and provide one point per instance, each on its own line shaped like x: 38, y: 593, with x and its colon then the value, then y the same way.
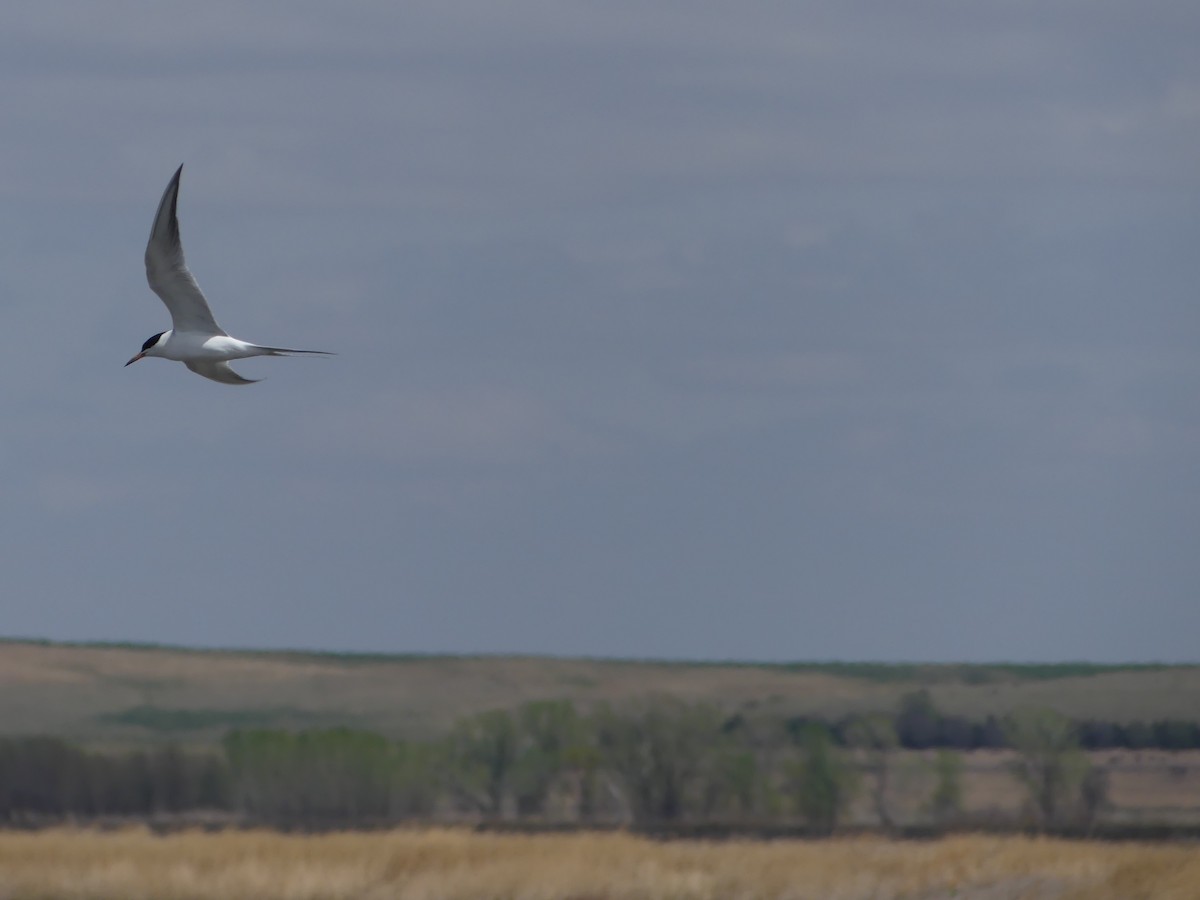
x: 168, y: 273
x: 218, y: 371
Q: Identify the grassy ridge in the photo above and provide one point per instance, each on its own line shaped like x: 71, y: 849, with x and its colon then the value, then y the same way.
x: 175, y: 721
x: 129, y: 693
x: 460, y: 865
x: 970, y: 673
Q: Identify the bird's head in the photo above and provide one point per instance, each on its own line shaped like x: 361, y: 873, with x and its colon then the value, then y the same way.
x: 152, y: 347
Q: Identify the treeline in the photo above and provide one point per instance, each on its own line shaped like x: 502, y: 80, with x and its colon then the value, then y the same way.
x: 921, y: 726
x: 661, y: 761
x: 45, y: 776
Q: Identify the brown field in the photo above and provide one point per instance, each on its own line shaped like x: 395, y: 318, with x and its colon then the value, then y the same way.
x: 460, y: 865
x: 75, y: 691
x: 82, y: 692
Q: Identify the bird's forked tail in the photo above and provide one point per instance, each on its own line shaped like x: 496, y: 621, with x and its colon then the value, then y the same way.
x: 287, y: 351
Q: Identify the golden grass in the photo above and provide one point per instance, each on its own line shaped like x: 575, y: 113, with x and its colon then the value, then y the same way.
x: 448, y: 864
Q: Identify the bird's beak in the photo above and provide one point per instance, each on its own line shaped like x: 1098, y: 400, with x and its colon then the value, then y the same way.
x: 136, y: 358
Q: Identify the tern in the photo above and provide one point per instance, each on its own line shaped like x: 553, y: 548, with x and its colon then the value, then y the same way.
x: 195, y: 339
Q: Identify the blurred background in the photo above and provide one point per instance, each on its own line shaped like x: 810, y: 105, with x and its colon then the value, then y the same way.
x: 674, y: 332
x: 783, y: 331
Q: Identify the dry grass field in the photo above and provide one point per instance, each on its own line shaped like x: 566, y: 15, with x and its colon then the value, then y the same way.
x: 461, y: 865
x: 128, y: 695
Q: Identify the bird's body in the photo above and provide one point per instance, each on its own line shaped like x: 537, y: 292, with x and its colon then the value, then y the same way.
x: 196, y: 340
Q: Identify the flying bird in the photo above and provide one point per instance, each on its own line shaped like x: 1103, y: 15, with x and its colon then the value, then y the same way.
x: 195, y: 339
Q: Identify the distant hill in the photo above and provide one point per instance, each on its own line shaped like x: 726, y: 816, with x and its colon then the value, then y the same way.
x: 128, y: 694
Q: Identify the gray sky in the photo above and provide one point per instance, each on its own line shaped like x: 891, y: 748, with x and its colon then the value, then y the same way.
x: 755, y: 330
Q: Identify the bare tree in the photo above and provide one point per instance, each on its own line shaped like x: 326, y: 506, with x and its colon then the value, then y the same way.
x: 822, y: 780
x: 483, y: 750
x: 1049, y: 762
x: 874, y: 736
x: 945, y: 803
x: 660, y: 751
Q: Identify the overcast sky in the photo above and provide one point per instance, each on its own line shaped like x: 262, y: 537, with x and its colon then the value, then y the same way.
x: 721, y: 330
